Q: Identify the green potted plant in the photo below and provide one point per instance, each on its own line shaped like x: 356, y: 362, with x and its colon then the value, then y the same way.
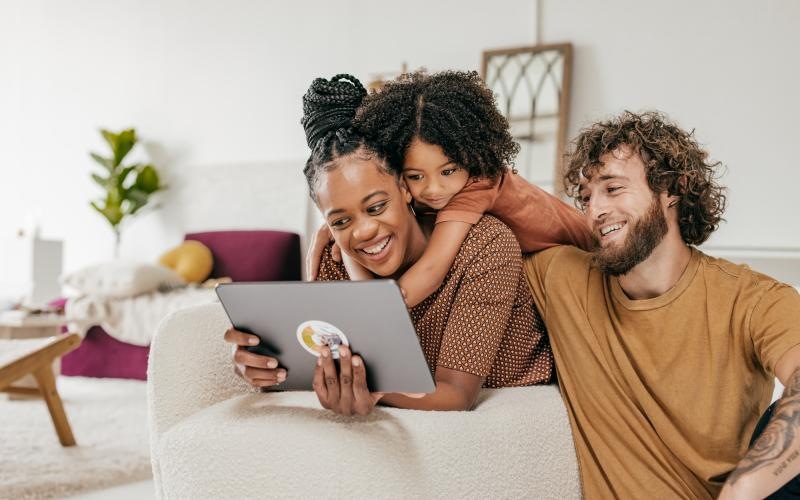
x: 128, y: 188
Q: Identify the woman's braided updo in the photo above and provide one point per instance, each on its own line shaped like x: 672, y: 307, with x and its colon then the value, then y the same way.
x: 329, y: 107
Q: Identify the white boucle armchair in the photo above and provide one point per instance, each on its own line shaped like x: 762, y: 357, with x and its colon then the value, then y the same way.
x: 212, y: 436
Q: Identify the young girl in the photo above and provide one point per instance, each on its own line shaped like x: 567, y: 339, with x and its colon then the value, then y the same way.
x: 454, y: 149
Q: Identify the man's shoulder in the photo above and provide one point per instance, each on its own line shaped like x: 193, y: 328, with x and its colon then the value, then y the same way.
x: 564, y: 260
x: 738, y: 279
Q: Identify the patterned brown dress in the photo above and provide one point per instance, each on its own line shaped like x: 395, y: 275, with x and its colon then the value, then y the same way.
x: 482, y: 319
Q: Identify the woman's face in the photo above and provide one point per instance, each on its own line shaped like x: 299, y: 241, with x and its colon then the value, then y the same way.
x: 367, y: 212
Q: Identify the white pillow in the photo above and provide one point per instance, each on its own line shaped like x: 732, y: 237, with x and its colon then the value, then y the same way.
x: 122, y: 279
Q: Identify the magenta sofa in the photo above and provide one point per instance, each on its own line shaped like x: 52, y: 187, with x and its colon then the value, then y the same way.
x: 240, y: 255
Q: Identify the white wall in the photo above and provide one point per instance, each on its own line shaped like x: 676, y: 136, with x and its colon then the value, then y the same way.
x: 212, y: 88
x: 727, y: 68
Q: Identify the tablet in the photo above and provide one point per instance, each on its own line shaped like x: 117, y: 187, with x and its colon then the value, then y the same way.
x: 294, y: 319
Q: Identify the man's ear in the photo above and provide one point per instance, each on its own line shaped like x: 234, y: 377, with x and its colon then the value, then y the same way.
x: 674, y: 199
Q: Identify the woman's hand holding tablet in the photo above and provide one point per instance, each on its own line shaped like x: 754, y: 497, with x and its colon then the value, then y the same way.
x: 343, y: 391
x: 258, y: 370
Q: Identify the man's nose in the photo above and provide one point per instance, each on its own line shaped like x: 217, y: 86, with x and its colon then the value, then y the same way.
x: 596, y: 209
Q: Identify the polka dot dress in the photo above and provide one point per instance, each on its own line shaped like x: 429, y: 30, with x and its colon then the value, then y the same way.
x: 482, y: 319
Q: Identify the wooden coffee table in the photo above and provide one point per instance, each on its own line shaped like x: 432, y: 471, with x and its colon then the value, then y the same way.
x: 13, y: 326
x: 29, y: 348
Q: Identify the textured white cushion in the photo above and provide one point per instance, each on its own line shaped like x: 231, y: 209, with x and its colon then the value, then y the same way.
x: 515, y: 444
x: 212, y: 437
x: 121, y: 279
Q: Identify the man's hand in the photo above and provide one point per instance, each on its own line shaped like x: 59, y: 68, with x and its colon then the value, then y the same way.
x: 256, y: 369
x: 345, y: 393
x: 318, y: 243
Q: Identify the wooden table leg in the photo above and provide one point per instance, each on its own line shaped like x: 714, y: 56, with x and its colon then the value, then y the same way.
x: 47, y: 386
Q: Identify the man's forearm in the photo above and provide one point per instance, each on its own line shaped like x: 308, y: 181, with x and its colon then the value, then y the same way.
x: 774, y: 459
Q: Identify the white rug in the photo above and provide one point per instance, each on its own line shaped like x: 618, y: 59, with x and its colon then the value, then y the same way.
x: 109, y: 421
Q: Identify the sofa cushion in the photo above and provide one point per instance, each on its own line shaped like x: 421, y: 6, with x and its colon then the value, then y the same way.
x: 119, y: 279
x: 515, y: 444
x: 253, y: 255
x: 191, y: 260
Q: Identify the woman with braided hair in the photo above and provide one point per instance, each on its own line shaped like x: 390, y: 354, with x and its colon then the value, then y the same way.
x: 479, y: 329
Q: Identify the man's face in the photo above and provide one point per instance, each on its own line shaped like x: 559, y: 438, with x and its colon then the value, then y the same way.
x: 626, y: 218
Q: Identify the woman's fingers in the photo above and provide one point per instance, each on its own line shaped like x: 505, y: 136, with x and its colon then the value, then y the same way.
x: 331, y: 378
x: 345, y: 393
x: 258, y: 370
x: 346, y: 401
x: 240, y: 338
x: 364, y: 401
x: 246, y: 358
x: 319, y: 385
x: 260, y: 377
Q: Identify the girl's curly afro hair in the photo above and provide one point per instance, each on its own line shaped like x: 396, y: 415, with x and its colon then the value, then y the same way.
x: 451, y: 109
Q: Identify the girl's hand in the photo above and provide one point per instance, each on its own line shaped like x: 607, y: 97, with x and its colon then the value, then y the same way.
x: 356, y: 271
x: 345, y: 393
x: 314, y: 256
x: 256, y: 369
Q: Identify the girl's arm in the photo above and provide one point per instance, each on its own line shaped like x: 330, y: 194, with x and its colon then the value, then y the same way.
x: 427, y: 274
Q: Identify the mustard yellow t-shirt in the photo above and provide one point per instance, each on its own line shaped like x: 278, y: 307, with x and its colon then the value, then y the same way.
x: 664, y: 393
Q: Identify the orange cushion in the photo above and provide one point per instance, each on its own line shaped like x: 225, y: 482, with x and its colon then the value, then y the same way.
x: 191, y: 260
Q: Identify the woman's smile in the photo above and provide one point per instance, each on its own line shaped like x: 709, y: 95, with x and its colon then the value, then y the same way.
x: 376, y: 250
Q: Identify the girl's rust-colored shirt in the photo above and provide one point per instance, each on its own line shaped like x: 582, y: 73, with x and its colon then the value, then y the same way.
x: 482, y: 319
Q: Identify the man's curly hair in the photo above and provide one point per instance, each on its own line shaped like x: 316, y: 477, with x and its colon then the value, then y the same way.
x: 673, y: 160
x: 451, y: 109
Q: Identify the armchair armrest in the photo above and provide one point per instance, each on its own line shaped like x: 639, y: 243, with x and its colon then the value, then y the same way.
x: 190, y: 366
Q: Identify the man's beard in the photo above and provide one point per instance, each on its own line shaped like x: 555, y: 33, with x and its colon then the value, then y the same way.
x: 644, y: 235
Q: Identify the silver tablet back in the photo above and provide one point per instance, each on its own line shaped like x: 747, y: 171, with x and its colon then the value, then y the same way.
x: 293, y: 319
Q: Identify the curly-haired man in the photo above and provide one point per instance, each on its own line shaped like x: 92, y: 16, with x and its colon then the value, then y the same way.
x: 666, y: 356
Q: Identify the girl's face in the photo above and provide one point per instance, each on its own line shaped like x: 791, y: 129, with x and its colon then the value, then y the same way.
x: 367, y: 211
x: 430, y: 176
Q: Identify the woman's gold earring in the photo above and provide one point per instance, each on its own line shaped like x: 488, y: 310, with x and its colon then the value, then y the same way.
x: 411, y: 207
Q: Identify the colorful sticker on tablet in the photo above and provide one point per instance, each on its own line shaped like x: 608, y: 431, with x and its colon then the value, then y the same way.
x: 314, y: 334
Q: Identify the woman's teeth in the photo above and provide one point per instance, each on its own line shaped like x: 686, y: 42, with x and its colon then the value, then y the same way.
x: 376, y: 249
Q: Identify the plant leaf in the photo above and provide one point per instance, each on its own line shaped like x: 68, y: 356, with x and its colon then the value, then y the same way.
x: 108, y: 163
x: 112, y: 216
x: 110, y: 137
x: 125, y: 142
x: 147, y: 180
x: 121, y: 143
x: 137, y: 199
x: 124, y: 174
x: 102, y: 181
